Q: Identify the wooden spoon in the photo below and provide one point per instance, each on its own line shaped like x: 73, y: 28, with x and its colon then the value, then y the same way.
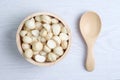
x: 90, y: 26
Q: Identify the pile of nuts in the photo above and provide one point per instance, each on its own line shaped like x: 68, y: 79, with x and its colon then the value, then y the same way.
x: 44, y: 38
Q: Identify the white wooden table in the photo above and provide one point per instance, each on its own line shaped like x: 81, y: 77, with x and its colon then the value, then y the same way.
x: 107, y: 48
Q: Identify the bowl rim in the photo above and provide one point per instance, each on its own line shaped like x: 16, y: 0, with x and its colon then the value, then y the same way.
x: 18, y: 41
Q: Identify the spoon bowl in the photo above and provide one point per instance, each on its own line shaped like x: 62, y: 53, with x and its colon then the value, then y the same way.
x: 90, y: 26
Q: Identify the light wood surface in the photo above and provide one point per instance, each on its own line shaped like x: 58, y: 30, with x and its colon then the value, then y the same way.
x: 90, y: 26
x: 106, y: 49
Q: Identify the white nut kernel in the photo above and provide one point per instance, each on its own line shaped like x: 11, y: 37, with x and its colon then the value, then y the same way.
x: 38, y: 18
x: 23, y: 33
x: 49, y: 35
x: 25, y: 28
x: 29, y: 34
x: 28, y: 53
x: 25, y: 46
x: 64, y: 30
x: 61, y: 24
x: 56, y: 29
x: 47, y: 27
x: 38, y: 25
x: 34, y: 39
x: 30, y: 24
x: 27, y: 39
x: 43, y: 33
x: 64, y: 44
x: 36, y: 52
x: 37, y: 46
x: 39, y: 38
x: 43, y: 39
x: 54, y: 21
x: 58, y: 51
x: 35, y: 33
x: 39, y: 58
x: 42, y: 53
x: 52, y: 57
x: 63, y: 36
x: 57, y: 39
x: 46, y: 49
x: 46, y: 19
x: 51, y: 44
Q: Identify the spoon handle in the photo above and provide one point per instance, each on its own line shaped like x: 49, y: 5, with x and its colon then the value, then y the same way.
x: 90, y: 62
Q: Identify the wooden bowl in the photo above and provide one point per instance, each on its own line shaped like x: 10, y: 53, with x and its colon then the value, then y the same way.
x: 18, y: 39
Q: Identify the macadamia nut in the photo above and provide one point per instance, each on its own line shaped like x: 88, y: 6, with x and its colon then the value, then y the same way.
x: 58, y: 51
x: 38, y: 25
x: 35, y: 33
x: 28, y: 53
x: 43, y: 53
x: 38, y: 18
x: 64, y: 44
x: 27, y: 39
x: 51, y: 44
x: 23, y: 33
x: 52, y: 57
x: 46, y: 19
x: 34, y: 39
x: 30, y: 24
x: 29, y: 33
x: 64, y: 30
x: 43, y: 39
x: 43, y: 33
x: 39, y: 58
x: 47, y: 27
x: 54, y: 21
x: 63, y: 36
x: 35, y: 52
x: 37, y: 46
x: 46, y: 49
x: 56, y: 29
x: 57, y: 39
x: 25, y: 46
x: 49, y: 35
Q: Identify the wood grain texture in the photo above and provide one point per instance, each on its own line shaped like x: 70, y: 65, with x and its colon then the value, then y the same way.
x: 107, y: 50
x: 90, y: 26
